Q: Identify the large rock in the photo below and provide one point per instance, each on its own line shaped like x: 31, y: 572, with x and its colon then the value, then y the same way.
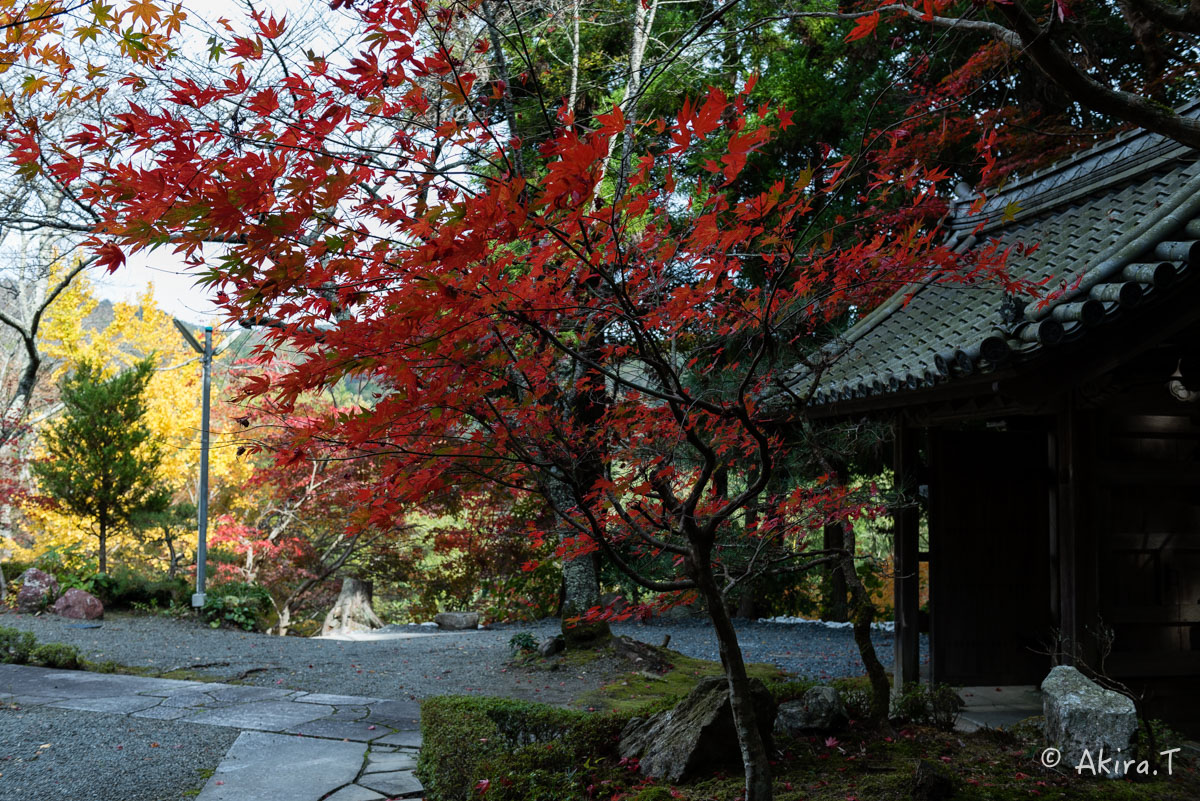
x: 79, y: 605
x: 457, y: 621
x: 1081, y: 715
x: 819, y: 709
x: 38, y: 589
x: 696, y: 737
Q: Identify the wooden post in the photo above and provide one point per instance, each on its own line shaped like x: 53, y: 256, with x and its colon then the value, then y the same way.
x: 1064, y: 522
x: 907, y: 520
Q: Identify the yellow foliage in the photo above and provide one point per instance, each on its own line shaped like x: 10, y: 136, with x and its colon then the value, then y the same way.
x: 173, y: 414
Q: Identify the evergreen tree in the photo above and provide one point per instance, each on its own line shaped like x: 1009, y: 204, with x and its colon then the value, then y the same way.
x: 101, y: 462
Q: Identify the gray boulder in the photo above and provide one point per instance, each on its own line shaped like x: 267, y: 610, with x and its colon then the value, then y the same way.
x: 80, y: 605
x: 457, y: 621
x: 1081, y: 715
x: 696, y: 737
x: 38, y: 589
x: 551, y: 646
x: 819, y: 709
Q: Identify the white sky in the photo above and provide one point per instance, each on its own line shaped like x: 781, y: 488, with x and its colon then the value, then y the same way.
x: 174, y: 289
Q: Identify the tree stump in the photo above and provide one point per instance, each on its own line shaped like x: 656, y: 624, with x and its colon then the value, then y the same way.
x: 353, y: 611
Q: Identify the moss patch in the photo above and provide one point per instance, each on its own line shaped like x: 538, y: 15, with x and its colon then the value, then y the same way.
x: 205, y: 774
x: 984, y: 766
x: 515, y: 751
x: 635, y: 691
x: 511, y: 750
x: 181, y: 674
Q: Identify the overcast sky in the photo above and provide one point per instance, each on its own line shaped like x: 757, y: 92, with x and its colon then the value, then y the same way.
x: 173, y: 288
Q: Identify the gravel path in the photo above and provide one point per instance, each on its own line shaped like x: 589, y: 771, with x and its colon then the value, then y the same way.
x: 64, y: 755
x: 101, y: 757
x: 471, y: 662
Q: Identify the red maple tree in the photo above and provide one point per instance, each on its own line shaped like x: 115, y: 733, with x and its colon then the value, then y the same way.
x: 632, y: 342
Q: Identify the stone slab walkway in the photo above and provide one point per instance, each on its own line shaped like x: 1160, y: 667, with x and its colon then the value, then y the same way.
x: 989, y: 707
x: 294, y: 745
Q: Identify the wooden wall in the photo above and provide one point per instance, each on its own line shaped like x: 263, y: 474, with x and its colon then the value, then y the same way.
x: 1141, y: 481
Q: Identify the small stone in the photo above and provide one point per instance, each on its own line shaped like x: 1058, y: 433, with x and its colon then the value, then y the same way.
x: 38, y: 589
x: 551, y: 646
x: 819, y: 709
x: 1081, y: 715
x: 457, y: 621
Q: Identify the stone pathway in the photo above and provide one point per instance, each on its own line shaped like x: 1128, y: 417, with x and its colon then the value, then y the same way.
x: 990, y: 707
x: 294, y: 746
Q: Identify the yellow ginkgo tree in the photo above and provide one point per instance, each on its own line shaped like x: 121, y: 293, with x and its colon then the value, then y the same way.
x: 76, y: 332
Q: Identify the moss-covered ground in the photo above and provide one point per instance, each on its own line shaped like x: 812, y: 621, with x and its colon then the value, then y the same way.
x: 983, y: 766
x: 855, y: 764
x: 637, y: 689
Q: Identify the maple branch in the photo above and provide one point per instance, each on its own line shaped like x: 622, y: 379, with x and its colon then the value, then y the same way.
x: 958, y: 23
x: 1082, y: 87
x: 623, y: 513
x: 596, y: 533
x: 36, y: 223
x: 47, y: 15
x: 1032, y: 40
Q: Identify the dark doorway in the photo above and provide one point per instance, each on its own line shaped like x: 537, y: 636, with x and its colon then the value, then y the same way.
x: 989, y: 555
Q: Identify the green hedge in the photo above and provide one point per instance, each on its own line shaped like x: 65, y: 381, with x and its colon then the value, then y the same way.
x: 523, y: 751
x: 21, y: 647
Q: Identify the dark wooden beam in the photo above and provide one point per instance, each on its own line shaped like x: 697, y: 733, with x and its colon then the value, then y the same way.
x: 907, y: 522
x: 1063, y: 521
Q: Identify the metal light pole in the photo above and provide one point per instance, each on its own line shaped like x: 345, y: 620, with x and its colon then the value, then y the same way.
x: 206, y: 352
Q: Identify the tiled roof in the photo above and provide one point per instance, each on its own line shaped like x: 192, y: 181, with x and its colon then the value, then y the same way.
x: 1117, y: 224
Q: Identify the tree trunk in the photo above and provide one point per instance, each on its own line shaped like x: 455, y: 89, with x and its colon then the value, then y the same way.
x: 581, y: 581
x: 863, y: 614
x: 285, y: 621
x: 755, y: 758
x: 835, y: 604
x: 103, y: 547
x: 353, y: 611
x: 171, y: 557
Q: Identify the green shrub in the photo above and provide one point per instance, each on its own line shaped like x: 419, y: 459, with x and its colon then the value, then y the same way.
x: 855, y: 694
x: 522, y: 643
x: 124, y: 588
x: 524, y: 751
x: 16, y: 647
x: 934, y: 705
x: 71, y: 566
x: 236, y: 604
x: 58, y: 655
